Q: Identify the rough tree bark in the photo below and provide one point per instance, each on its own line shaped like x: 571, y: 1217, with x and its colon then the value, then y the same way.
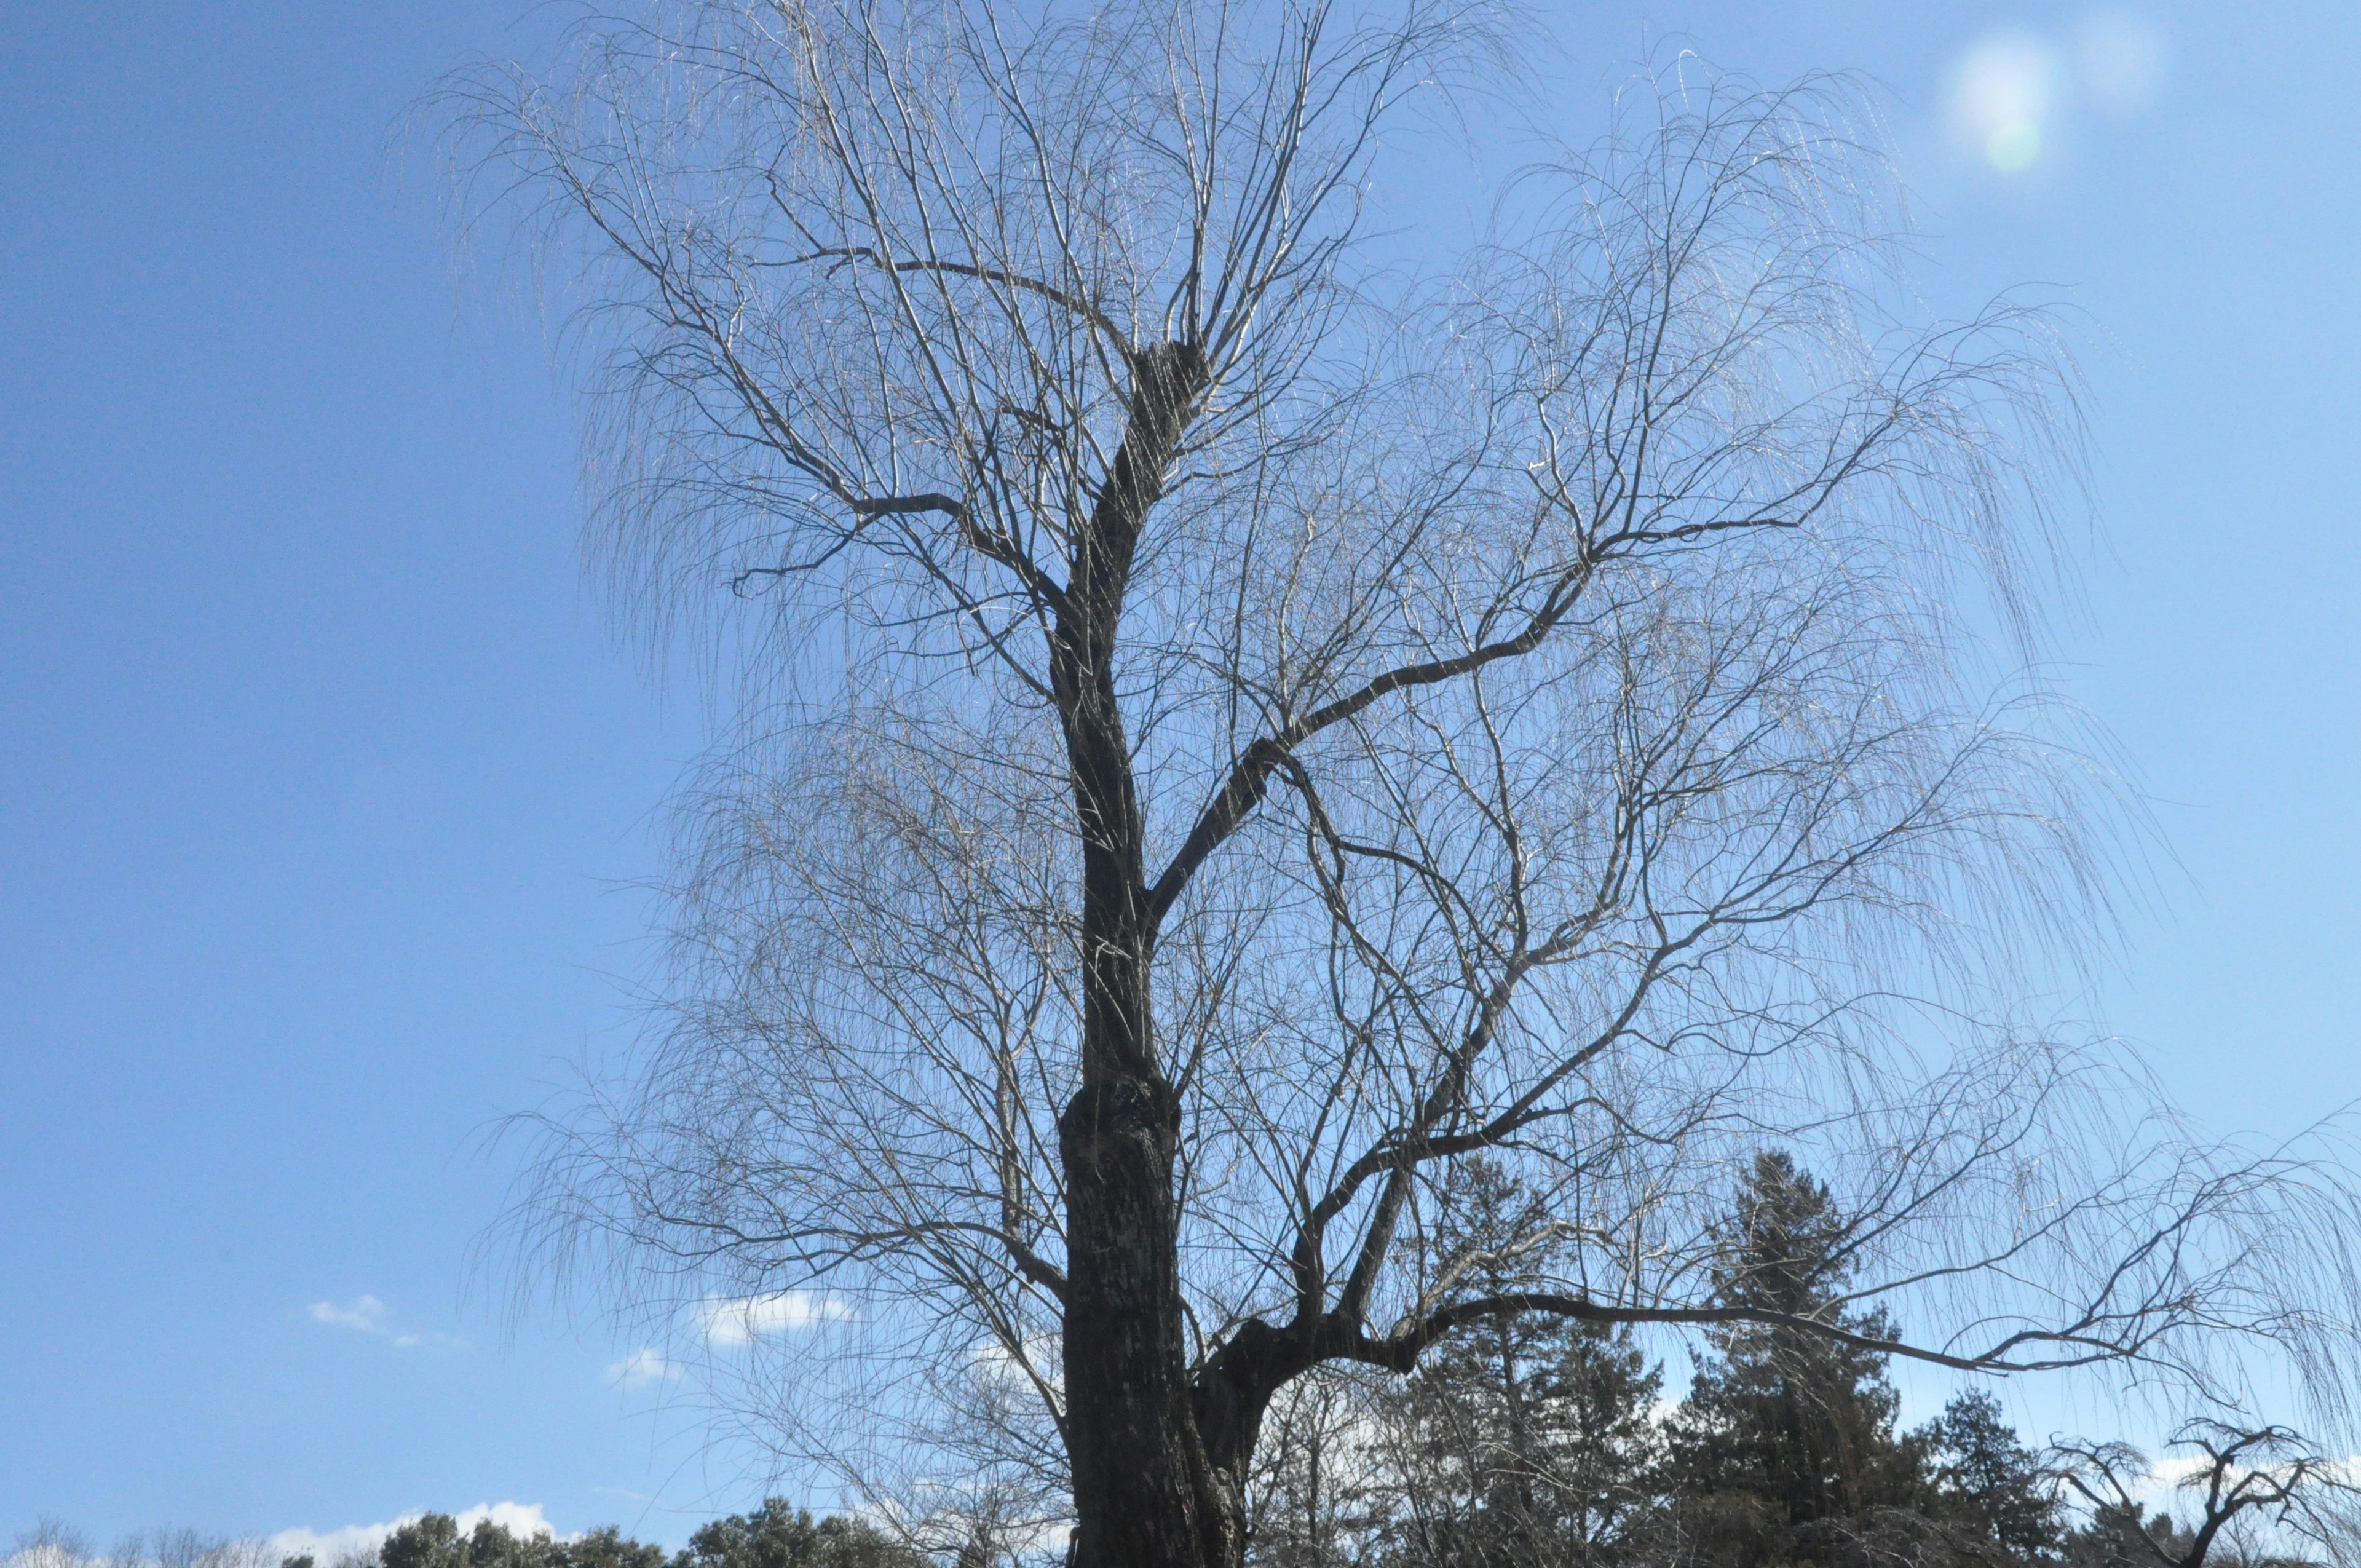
x: 1146, y: 1490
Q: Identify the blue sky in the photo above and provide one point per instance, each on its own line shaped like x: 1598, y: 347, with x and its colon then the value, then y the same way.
x: 324, y: 785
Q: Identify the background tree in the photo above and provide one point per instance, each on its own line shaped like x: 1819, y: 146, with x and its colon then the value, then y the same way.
x: 1787, y: 1442
x: 1993, y: 1493
x: 1530, y: 1438
x: 777, y: 1536
x: 772, y: 1536
x: 50, y: 1543
x: 54, y: 1543
x: 1541, y: 1445
x: 434, y: 1540
x: 1327, y: 1479
x: 1226, y: 733
x: 2268, y: 1493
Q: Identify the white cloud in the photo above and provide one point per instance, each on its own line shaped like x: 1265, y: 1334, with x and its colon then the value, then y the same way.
x: 996, y: 1366
x: 368, y: 1315
x: 641, y: 1369
x: 744, y: 1320
x: 44, y: 1554
x: 328, y: 1547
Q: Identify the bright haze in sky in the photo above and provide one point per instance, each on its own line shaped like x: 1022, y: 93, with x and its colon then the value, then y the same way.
x: 325, y: 788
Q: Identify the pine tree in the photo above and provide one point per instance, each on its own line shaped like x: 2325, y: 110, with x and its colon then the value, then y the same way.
x: 1989, y: 1491
x: 1785, y: 1449
x: 773, y: 1536
x: 432, y: 1541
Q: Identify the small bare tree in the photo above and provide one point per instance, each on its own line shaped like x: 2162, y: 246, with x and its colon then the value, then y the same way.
x: 53, y: 1543
x: 2268, y: 1491
x: 1230, y: 729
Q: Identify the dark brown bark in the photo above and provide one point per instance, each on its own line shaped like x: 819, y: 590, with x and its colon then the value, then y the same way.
x: 1144, y: 1492
x: 1159, y: 1457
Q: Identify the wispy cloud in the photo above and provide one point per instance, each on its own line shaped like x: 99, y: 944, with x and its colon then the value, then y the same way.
x: 368, y: 1315
x: 641, y: 1369
x: 362, y: 1314
x: 329, y: 1547
x: 744, y: 1320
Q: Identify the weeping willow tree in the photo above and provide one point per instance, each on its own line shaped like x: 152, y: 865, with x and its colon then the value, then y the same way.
x: 1224, y: 721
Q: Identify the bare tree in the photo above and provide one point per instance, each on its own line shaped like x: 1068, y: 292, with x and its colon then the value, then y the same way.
x: 1227, y: 729
x: 2265, y: 1491
x: 53, y: 1543
x: 1325, y: 1478
x: 50, y: 1543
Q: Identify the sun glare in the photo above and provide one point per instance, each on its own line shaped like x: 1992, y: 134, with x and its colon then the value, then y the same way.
x: 2012, y: 92
x: 2002, y: 98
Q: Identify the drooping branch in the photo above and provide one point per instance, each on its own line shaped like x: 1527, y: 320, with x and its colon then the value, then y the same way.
x: 1617, y: 632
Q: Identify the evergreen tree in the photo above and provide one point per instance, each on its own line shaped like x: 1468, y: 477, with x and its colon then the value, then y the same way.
x: 777, y: 1536
x: 1524, y: 1439
x: 432, y: 1541
x: 1989, y: 1488
x: 1785, y: 1449
x: 773, y: 1536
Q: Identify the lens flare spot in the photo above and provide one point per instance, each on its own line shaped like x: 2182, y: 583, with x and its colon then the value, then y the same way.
x: 2003, y: 93
x: 2014, y: 146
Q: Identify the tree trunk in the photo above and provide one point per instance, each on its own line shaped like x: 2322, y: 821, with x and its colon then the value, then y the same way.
x: 1160, y: 1460
x: 1146, y: 1494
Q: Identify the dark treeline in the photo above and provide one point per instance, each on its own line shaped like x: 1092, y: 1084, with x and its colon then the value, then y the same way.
x: 1534, y: 1441
x: 773, y: 1536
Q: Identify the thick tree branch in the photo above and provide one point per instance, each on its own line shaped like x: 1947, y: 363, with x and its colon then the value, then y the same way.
x: 1249, y: 776
x: 1049, y: 292
x: 1400, y: 1350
